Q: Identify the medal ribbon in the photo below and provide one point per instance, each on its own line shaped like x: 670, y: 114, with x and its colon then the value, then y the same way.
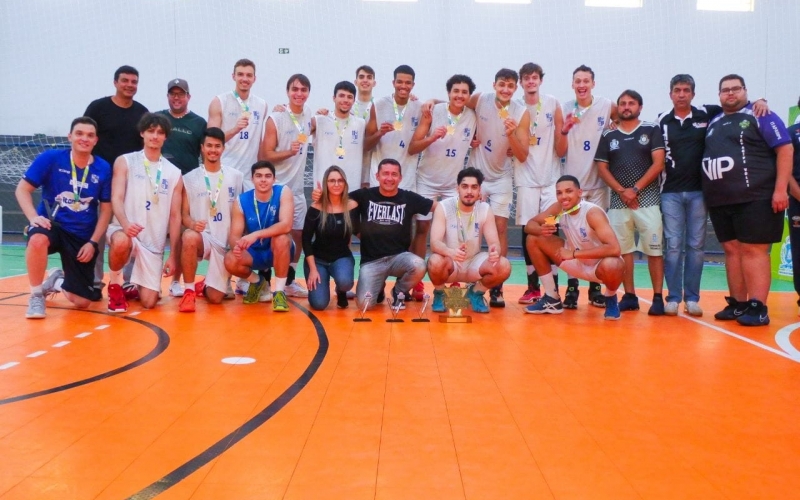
x: 77, y: 188
x: 245, y: 107
x: 578, y: 114
x: 502, y: 108
x: 451, y: 120
x: 567, y: 212
x: 208, y: 188
x: 365, y: 114
x: 150, y: 178
x: 258, y: 215
x: 536, y: 118
x: 462, y: 231
x: 300, y: 128
x: 341, y: 132
x: 398, y: 116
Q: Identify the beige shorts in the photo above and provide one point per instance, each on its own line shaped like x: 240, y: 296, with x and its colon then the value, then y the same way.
x: 581, y: 269
x: 300, y: 209
x: 433, y: 194
x: 600, y: 197
x: 499, y: 194
x: 469, y: 270
x: 646, y: 221
x: 216, y: 276
x: 531, y: 201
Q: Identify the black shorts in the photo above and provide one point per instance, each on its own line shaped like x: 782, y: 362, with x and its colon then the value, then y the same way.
x: 78, y: 276
x: 751, y: 222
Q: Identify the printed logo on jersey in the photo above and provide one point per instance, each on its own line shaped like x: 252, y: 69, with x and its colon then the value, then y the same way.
x: 67, y: 200
x: 715, y: 167
x: 744, y: 124
x: 700, y: 124
x: 257, y: 116
x: 584, y: 233
x: 231, y: 193
x: 386, y: 214
x: 354, y: 135
x: 164, y: 184
x: 601, y: 123
x: 614, y: 144
x: 468, y: 133
x: 644, y: 139
x: 95, y: 179
x: 549, y: 117
x: 414, y: 121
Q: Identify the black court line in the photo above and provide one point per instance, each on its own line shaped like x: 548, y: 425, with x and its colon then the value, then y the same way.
x: 245, y: 429
x: 161, y: 346
x: 14, y: 296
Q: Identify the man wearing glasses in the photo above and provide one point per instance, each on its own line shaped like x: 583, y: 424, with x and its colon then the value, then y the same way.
x: 747, y: 163
x: 183, y: 145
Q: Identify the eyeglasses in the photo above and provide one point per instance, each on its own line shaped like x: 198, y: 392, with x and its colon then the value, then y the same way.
x: 178, y: 94
x: 731, y: 90
x: 336, y: 181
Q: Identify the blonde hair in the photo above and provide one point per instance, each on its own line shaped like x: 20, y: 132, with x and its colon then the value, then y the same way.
x: 325, y: 202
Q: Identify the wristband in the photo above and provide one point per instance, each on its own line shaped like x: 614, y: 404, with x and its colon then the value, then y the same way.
x: 94, y: 244
x: 635, y: 189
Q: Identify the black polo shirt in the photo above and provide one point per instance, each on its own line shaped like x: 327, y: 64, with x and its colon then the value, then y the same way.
x: 684, y: 143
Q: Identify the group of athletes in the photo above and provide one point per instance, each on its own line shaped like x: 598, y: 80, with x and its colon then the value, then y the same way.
x: 391, y: 171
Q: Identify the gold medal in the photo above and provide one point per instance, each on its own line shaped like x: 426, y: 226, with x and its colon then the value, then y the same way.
x: 503, y: 113
x: 398, y: 125
x: 246, y: 114
x: 76, y: 206
x: 302, y: 138
x: 213, y: 211
x: 533, y: 141
x: 451, y: 130
x: 340, y: 152
x: 155, y: 199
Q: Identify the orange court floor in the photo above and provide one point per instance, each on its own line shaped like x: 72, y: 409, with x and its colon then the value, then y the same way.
x: 239, y: 402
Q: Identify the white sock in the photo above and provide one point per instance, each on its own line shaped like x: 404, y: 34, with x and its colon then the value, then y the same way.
x: 609, y: 293
x: 115, y: 277
x: 554, y: 269
x: 530, y: 269
x: 36, y: 290
x: 253, y: 278
x: 549, y: 285
x: 280, y: 284
x: 188, y: 285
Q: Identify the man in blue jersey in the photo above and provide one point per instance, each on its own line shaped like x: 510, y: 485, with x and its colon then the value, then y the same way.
x: 70, y: 220
x: 747, y: 164
x: 261, y: 221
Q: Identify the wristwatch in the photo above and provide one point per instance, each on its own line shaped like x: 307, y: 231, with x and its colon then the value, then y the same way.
x: 635, y: 189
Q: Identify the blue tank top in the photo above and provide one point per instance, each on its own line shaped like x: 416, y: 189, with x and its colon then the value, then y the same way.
x: 266, y: 216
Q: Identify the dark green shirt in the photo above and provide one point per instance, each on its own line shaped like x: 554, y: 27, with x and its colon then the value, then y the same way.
x: 183, y: 144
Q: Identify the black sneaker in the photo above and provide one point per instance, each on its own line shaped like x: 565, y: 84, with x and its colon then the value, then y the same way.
x: 629, y: 302
x: 733, y: 310
x: 755, y: 315
x: 657, y: 307
x: 571, y: 297
x: 381, y: 297
x: 496, y: 297
x: 596, y: 297
x: 341, y: 300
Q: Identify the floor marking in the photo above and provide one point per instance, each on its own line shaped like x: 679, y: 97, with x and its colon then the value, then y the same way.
x: 61, y: 344
x: 36, y: 354
x: 101, y: 327
x: 83, y: 335
x: 136, y: 313
x: 8, y: 365
x: 238, y: 360
x: 782, y: 339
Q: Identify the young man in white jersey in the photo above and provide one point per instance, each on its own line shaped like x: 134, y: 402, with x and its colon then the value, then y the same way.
x: 536, y: 177
x: 590, y: 251
x: 503, y: 124
x: 365, y: 82
x: 585, y: 119
x: 208, y: 195
x: 146, y: 200
x: 459, y: 224
x: 339, y: 137
x: 241, y: 115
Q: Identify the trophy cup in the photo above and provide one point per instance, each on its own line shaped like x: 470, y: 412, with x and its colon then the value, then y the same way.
x: 422, y: 319
x: 361, y: 318
x: 396, y: 309
x: 455, y: 302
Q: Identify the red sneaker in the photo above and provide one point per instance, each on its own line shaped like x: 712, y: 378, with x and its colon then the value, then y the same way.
x: 187, y: 302
x: 116, y: 299
x: 418, y: 292
x: 131, y: 291
x: 200, y: 288
x: 531, y: 296
x: 455, y: 284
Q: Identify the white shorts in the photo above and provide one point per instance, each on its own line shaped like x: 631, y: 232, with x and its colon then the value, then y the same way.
x: 469, y: 270
x: 147, y: 266
x: 433, y: 194
x: 646, y: 221
x: 216, y: 277
x: 499, y: 194
x: 600, y: 197
x: 531, y: 201
x: 582, y: 269
x: 300, y: 209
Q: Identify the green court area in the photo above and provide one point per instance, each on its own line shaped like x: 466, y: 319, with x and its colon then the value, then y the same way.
x: 12, y: 263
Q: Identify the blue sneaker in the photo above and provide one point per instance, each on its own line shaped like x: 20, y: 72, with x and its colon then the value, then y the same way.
x: 612, y: 308
x: 546, y: 305
x: 629, y: 302
x: 438, y: 302
x: 756, y: 314
x: 476, y: 300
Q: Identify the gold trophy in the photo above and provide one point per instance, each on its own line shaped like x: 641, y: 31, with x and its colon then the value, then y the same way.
x: 455, y: 302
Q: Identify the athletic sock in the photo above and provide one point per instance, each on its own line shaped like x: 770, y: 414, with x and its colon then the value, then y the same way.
x: 609, y: 293
x: 188, y: 285
x: 115, y: 277
x: 549, y: 285
x: 253, y: 278
x: 280, y: 284
x: 37, y: 290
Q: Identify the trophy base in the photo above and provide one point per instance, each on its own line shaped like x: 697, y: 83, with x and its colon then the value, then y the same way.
x: 395, y: 320
x: 420, y: 320
x: 454, y: 319
x: 362, y: 320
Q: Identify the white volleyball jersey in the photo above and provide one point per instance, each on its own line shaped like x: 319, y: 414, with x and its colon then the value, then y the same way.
x: 490, y: 157
x: 241, y: 151
x: 361, y: 110
x: 543, y: 167
x: 395, y: 143
x: 583, y: 139
x: 140, y: 202
x: 218, y: 222
x: 289, y: 172
x: 467, y: 228
x: 327, y: 142
x: 440, y: 163
x: 576, y: 229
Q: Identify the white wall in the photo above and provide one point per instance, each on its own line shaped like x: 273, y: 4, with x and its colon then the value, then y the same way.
x: 58, y: 55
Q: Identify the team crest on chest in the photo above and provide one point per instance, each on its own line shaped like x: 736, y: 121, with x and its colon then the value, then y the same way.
x: 643, y: 139
x: 601, y: 122
x: 614, y: 144
x: 549, y: 117
x: 95, y: 178
x: 231, y: 193
x: 744, y: 124
x: 583, y: 232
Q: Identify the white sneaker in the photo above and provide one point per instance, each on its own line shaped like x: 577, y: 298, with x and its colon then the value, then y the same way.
x: 671, y: 309
x: 266, y: 294
x: 241, y: 286
x: 296, y: 290
x: 176, y: 289
x: 52, y: 285
x: 693, y: 309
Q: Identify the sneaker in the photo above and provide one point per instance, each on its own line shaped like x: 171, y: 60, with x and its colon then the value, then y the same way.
x: 175, y: 289
x: 351, y: 295
x: 279, y: 302
x: 596, y: 297
x: 477, y: 302
x: 51, y: 286
x: 397, y: 301
x: 187, y: 302
x: 341, y: 300
x: 612, y: 308
x: 418, y: 292
x: 266, y: 294
x: 241, y: 286
x: 571, y: 297
x: 756, y: 314
x: 96, y: 293
x: 733, y: 310
x: 130, y: 291
x: 657, y: 307
x: 35, y: 307
x: 254, y: 291
x: 438, y: 302
x: 116, y: 299
x: 629, y: 302
x: 671, y: 309
x: 530, y: 296
x: 295, y: 289
x: 546, y: 305
x: 496, y: 297
x: 693, y: 309
x: 200, y: 288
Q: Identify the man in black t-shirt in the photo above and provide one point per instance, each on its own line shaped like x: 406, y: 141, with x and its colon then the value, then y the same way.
x: 385, y: 214
x: 183, y: 145
x: 630, y: 160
